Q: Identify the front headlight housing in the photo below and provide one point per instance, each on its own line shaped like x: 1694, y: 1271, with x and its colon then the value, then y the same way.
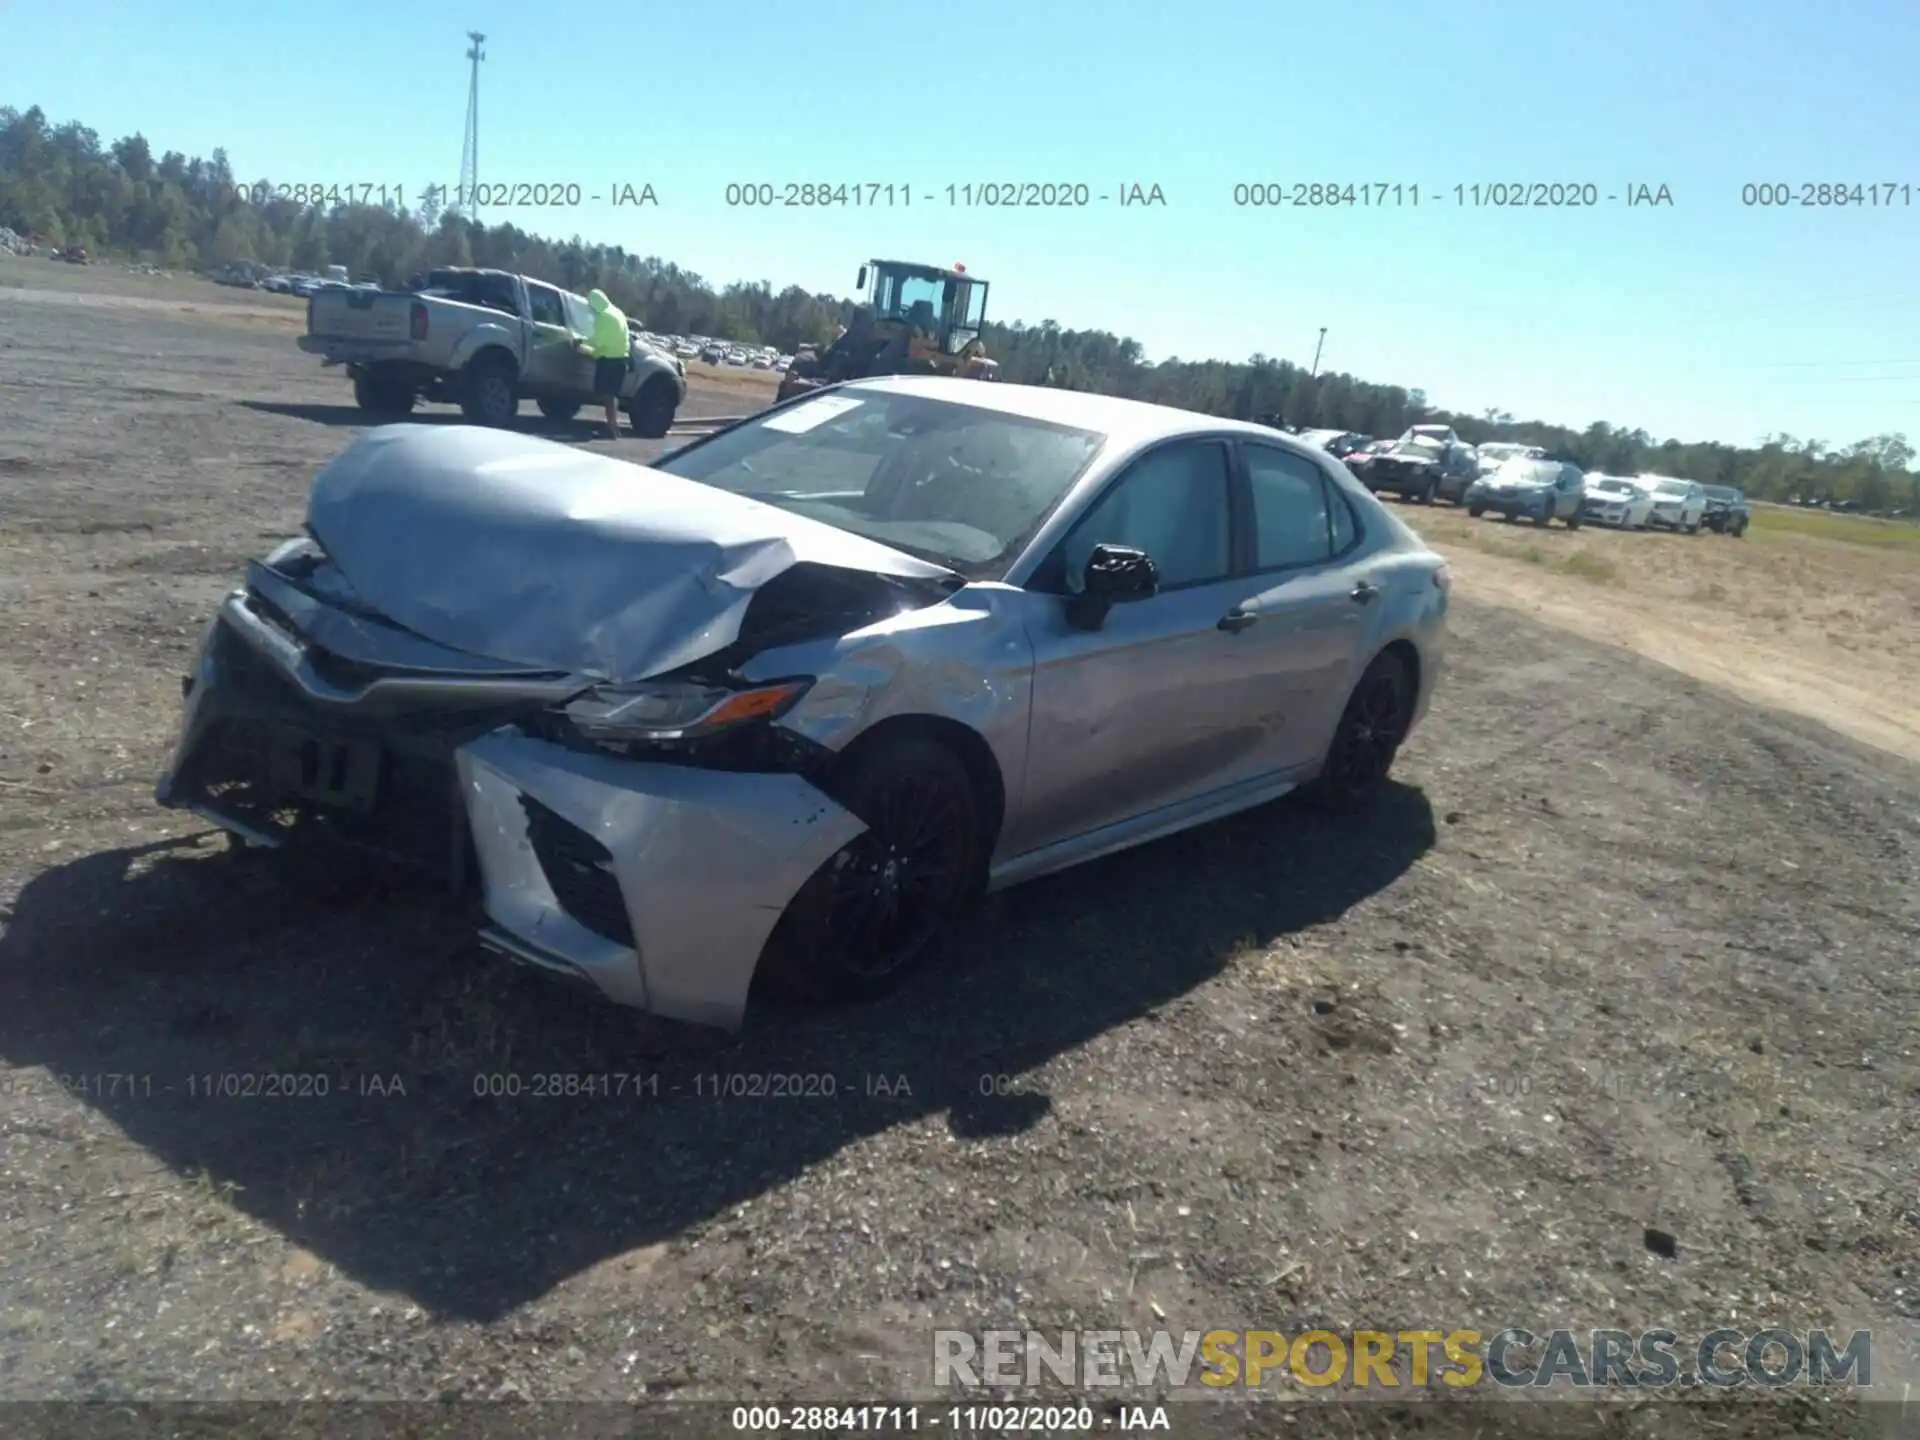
x: 621, y: 715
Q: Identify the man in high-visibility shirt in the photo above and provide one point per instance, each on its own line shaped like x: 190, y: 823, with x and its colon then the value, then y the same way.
x: 611, y: 346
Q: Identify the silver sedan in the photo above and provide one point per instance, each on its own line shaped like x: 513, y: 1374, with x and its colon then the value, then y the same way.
x: 795, y: 695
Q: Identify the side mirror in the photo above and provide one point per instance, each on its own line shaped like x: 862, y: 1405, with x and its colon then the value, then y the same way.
x: 1114, y: 574
x: 860, y: 285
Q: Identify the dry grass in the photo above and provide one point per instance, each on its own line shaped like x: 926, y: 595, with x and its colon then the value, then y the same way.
x: 171, y: 1221
x: 1809, y: 612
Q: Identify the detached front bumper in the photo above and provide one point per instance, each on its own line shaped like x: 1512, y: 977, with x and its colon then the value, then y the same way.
x: 657, y: 884
x: 694, y: 866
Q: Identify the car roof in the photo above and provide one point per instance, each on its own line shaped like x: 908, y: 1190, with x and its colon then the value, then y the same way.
x: 1118, y: 419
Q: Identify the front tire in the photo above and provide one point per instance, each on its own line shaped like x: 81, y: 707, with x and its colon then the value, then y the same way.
x: 650, y: 412
x: 887, y: 902
x: 1476, y: 511
x: 1367, y: 739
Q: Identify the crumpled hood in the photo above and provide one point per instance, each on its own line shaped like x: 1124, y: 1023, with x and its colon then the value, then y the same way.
x: 526, y: 550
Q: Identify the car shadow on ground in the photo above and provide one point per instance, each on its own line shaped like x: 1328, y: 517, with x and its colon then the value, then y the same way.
x: 433, y: 1164
x: 585, y: 426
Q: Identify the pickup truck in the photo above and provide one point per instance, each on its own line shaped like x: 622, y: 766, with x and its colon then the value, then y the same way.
x: 1427, y: 463
x: 483, y: 340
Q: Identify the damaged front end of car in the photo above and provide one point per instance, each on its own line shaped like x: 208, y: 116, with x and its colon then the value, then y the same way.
x: 642, y: 832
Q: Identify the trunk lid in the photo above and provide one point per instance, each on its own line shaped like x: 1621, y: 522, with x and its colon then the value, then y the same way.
x: 528, y: 551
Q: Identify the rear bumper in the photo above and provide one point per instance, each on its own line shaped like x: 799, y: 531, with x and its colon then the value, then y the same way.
x: 655, y: 884
x: 355, y: 352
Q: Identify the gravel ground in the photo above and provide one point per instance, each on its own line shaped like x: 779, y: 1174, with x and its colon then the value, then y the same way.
x: 1616, y: 953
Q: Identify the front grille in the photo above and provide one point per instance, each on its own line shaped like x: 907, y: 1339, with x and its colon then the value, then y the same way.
x: 579, y: 869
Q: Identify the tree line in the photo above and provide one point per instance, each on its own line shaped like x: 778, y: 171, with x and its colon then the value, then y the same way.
x: 59, y: 184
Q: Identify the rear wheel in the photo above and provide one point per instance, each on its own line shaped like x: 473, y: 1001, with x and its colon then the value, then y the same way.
x: 1367, y: 739
x: 490, y: 395
x: 382, y: 395
x: 650, y: 412
x: 561, y: 410
x: 885, y: 904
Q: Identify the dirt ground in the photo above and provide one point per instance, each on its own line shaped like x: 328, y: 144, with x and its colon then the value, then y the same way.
x: 1622, y: 949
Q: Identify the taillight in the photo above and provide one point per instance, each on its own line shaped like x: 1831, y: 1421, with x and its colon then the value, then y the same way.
x: 417, y: 320
x: 1443, y: 579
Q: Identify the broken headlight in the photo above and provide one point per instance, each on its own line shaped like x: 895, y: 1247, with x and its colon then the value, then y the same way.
x: 622, y: 715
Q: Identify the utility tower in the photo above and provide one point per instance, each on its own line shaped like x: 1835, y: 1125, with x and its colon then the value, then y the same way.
x: 465, y: 201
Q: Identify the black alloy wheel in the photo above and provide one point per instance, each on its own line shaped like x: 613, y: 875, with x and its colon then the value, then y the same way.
x: 886, y: 903
x: 1369, y: 736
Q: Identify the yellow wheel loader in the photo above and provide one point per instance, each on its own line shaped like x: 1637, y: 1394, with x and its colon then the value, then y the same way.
x: 913, y: 320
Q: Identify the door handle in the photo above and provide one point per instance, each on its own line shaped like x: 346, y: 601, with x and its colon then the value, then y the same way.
x: 1364, y: 592
x: 1238, y: 619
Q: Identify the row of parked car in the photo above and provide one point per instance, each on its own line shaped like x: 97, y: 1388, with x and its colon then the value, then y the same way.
x: 1524, y: 482
x: 709, y: 351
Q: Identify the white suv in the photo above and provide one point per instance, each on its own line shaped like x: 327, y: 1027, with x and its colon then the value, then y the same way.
x: 1677, y: 504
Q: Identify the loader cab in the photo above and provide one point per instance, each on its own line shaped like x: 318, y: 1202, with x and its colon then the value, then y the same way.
x: 949, y: 305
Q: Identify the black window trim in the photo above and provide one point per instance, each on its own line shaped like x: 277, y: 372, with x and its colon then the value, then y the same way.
x: 1055, y: 560
x: 1243, y: 489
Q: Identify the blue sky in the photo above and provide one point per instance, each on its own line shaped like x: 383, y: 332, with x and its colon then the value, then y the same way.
x: 1703, y: 319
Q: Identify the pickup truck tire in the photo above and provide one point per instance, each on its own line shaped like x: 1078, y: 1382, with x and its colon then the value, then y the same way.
x: 561, y: 410
x: 489, y: 394
x: 650, y: 412
x: 1476, y: 511
x: 379, y: 394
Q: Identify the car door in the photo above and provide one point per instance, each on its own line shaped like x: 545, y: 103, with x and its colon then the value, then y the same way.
x: 549, y: 342
x: 1152, y: 708
x: 579, y: 372
x: 1314, y: 605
